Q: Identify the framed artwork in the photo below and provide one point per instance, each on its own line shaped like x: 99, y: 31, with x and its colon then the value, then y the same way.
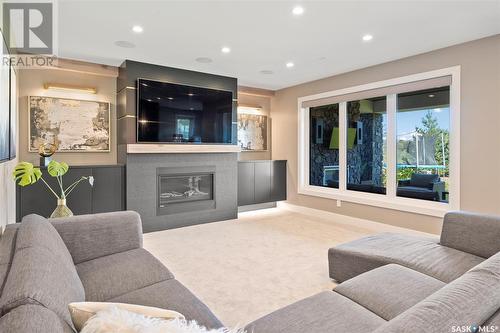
x: 73, y: 125
x: 252, y: 129
x: 4, y: 103
x: 13, y: 113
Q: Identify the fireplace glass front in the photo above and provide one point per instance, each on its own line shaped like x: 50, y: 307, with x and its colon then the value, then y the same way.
x: 184, y: 188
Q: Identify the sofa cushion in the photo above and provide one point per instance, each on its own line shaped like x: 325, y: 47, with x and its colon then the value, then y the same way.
x: 36, y: 231
x: 469, y: 300
x: 404, y: 189
x: 33, y: 318
x: 389, y: 290
x: 419, y: 253
x: 41, y: 271
x: 474, y: 233
x: 423, y: 180
x: 117, y: 274
x: 326, y: 312
x: 7, y: 249
x: 96, y: 235
x: 417, y: 193
x: 172, y: 295
x: 36, y: 277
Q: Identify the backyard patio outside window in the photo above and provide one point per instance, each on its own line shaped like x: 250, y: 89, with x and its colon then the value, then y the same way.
x: 423, y: 154
x: 390, y: 144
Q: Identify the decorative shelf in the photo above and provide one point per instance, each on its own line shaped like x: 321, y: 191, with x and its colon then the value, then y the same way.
x: 148, y: 148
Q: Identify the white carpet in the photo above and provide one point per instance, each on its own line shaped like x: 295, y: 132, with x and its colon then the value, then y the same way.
x: 245, y: 268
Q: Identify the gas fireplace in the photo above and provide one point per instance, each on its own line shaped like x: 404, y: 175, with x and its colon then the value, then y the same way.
x: 180, y: 190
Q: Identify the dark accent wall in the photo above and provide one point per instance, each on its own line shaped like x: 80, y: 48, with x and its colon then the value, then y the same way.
x: 141, y: 177
x: 107, y: 194
x: 130, y: 71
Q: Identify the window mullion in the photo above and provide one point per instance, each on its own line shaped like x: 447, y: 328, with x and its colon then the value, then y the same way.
x: 343, y: 146
x: 391, y: 183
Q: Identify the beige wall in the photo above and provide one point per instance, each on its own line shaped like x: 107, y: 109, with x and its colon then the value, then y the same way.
x: 263, y: 102
x: 480, y: 127
x: 31, y: 83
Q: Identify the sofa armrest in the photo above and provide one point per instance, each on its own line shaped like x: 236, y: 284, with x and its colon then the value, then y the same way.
x: 92, y: 236
x: 474, y: 233
x: 438, y: 186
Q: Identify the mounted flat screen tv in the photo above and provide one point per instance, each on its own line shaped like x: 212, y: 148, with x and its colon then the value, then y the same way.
x: 174, y: 113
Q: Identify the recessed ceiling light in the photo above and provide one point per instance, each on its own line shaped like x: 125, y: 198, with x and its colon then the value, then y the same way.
x: 204, y: 60
x: 367, y: 38
x: 125, y: 44
x: 158, y: 97
x: 170, y: 98
x: 298, y: 10
x: 432, y: 95
x: 266, y: 72
x: 290, y: 64
x: 225, y: 49
x: 137, y: 29
x: 190, y: 94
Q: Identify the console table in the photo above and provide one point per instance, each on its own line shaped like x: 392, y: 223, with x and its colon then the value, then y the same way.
x: 107, y: 194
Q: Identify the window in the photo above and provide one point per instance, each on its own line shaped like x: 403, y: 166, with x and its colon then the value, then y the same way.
x: 185, y: 127
x: 366, y: 145
x: 324, y: 146
x: 423, y: 134
x: 393, y: 144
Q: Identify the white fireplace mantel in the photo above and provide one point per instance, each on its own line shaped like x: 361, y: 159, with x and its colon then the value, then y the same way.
x: 150, y: 148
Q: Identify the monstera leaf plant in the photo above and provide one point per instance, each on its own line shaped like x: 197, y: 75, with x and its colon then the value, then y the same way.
x: 26, y: 174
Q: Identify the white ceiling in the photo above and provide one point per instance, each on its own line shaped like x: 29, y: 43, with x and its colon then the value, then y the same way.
x: 264, y: 35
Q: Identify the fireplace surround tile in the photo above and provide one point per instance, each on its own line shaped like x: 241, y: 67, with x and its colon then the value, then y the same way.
x: 142, y: 188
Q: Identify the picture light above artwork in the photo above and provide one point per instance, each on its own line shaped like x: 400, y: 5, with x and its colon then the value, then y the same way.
x: 70, y: 87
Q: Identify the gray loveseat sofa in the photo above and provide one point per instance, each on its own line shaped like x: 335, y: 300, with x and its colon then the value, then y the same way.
x: 422, y: 186
x: 395, y: 283
x: 46, y: 265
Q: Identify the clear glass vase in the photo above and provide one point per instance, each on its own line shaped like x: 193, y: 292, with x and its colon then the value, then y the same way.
x: 61, y: 210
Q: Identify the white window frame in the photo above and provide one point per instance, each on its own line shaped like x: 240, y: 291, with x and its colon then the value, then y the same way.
x: 390, y: 200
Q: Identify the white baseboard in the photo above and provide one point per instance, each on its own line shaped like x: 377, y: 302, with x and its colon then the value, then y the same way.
x: 345, y: 219
x: 249, y: 208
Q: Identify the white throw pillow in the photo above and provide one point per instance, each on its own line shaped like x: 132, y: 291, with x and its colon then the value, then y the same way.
x: 118, y: 320
x: 81, y: 312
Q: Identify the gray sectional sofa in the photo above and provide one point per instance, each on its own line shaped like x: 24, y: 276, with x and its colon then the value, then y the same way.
x: 46, y: 265
x: 389, y: 282
x: 400, y: 284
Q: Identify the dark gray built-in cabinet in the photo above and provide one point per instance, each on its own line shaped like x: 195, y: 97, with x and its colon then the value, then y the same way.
x: 261, y: 181
x: 107, y: 194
